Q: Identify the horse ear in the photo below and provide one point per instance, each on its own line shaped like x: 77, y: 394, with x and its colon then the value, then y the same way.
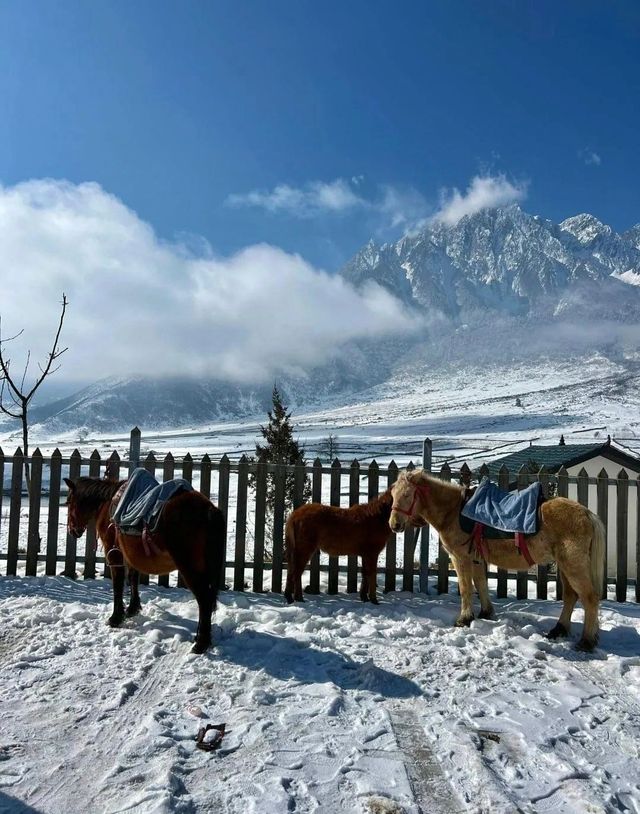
x: 70, y: 484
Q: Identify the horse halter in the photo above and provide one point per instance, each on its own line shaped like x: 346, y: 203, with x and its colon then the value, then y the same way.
x: 418, y: 489
x: 74, y: 528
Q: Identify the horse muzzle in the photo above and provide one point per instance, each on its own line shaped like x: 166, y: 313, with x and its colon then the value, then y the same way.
x: 76, y: 532
x: 396, y: 522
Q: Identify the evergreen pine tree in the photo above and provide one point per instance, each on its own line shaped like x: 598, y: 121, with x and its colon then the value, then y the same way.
x: 280, y: 447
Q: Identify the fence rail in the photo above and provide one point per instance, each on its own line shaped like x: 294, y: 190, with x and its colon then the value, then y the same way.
x: 34, y: 540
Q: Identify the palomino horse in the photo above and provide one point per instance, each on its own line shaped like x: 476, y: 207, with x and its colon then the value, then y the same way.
x: 190, y: 539
x: 360, y: 530
x: 568, y: 534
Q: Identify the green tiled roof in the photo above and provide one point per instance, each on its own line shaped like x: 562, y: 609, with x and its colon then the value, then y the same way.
x: 551, y: 457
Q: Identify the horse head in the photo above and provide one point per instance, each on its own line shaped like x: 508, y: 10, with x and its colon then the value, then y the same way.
x: 77, y: 520
x: 409, y: 492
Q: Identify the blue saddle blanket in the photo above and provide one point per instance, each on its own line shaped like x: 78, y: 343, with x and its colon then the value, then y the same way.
x: 144, y: 499
x: 507, y: 511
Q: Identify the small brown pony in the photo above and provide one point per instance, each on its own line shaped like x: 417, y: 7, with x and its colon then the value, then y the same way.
x: 360, y: 530
x: 190, y: 539
x: 569, y: 534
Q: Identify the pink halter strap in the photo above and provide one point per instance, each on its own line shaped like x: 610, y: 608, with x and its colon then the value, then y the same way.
x: 419, y: 489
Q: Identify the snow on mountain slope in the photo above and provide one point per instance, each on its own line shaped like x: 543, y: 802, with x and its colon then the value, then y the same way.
x: 502, y: 259
x: 501, y: 287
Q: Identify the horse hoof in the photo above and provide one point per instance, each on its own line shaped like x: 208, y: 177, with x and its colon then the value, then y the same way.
x: 200, y: 647
x: 586, y: 645
x: 289, y: 598
x: 464, y: 621
x: 363, y: 598
x: 115, y: 620
x: 133, y: 611
x: 487, y: 614
x: 374, y: 600
x: 558, y: 632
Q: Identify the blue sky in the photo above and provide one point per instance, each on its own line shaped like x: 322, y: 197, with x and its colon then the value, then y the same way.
x: 185, y: 110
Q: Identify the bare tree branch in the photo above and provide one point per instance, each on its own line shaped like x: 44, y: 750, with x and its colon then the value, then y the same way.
x: 19, y: 398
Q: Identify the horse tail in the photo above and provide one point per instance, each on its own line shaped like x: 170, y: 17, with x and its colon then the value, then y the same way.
x: 290, y: 544
x: 597, y: 552
x: 215, y: 550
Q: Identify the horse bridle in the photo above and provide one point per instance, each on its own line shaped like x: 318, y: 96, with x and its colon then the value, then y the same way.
x: 72, y: 523
x: 418, y: 489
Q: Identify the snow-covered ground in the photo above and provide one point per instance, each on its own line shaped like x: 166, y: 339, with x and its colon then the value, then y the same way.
x: 331, y: 706
x: 470, y: 413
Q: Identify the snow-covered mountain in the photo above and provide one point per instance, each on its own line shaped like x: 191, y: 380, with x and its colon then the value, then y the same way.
x: 500, y: 286
x: 504, y: 260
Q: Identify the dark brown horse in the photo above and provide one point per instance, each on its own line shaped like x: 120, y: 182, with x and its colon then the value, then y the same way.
x: 360, y: 530
x: 189, y: 539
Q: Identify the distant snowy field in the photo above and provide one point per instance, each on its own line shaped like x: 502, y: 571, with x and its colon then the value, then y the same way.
x: 468, y: 412
x: 330, y: 706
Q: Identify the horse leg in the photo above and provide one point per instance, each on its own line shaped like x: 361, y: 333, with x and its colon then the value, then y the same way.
x: 587, y: 594
x: 364, y: 587
x: 464, y: 572
x: 200, y: 586
x: 562, y: 627
x: 369, y: 564
x: 116, y: 562
x: 480, y: 581
x: 135, y: 605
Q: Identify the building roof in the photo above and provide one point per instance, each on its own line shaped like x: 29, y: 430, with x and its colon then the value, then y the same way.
x: 552, y: 457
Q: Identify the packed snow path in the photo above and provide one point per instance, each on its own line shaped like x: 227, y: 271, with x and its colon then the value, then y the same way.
x: 331, y: 706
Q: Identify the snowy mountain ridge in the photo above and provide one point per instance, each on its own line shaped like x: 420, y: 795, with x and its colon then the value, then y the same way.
x: 502, y: 259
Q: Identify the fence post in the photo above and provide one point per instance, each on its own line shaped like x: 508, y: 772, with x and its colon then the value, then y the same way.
x: 241, y: 524
x: 423, y: 578
x: 205, y: 475
x: 334, y: 499
x: 316, y: 497
x: 390, y: 555
x: 541, y: 582
x: 71, y: 547
x: 90, y: 539
x: 562, y: 491
x: 522, y: 577
x: 168, y: 472
x: 15, y: 504
x: 602, y: 490
x: 279, y: 498
x: 259, y: 527
x: 621, y: 545
x: 33, y: 538
x: 637, y: 539
x: 134, y: 449
x: 443, y: 554
x: 54, y: 513
x: 354, y: 499
x: 223, y: 505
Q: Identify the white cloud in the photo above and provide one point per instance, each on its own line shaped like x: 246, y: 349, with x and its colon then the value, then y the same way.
x: 590, y: 157
x: 138, y: 304
x: 395, y: 206
x: 315, y: 198
x: 484, y: 192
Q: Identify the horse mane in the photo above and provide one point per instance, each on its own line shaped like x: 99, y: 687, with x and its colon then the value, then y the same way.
x: 91, y: 493
x: 421, y: 476
x: 377, y: 506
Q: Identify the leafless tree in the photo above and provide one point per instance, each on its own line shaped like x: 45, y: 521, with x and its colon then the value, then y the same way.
x: 14, y: 395
x: 329, y: 447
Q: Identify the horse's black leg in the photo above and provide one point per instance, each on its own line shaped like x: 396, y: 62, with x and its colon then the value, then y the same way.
x: 364, y: 587
x: 117, y: 580
x: 135, y: 605
x: 204, y: 595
